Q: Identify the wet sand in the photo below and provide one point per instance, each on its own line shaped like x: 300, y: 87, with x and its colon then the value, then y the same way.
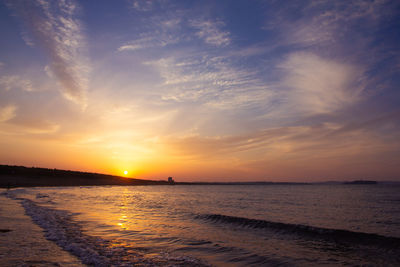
x: 22, y: 242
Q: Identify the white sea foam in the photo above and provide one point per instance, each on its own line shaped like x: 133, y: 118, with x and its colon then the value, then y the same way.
x: 60, y: 227
x: 13, y: 194
x: 244, y: 225
x: 64, y: 232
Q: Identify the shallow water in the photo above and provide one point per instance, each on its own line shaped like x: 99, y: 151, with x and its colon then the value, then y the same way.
x: 238, y: 225
x: 22, y: 242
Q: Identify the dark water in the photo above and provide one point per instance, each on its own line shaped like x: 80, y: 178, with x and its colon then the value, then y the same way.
x: 288, y: 225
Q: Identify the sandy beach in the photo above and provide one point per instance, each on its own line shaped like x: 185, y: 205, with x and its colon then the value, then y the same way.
x: 22, y: 243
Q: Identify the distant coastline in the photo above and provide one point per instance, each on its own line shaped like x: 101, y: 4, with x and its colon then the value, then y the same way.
x: 20, y: 176
x: 361, y: 182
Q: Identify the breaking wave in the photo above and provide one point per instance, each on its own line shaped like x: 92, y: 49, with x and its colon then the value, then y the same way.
x: 335, y: 235
x: 60, y: 227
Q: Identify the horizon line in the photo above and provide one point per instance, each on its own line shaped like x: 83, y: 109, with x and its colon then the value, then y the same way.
x: 212, y: 182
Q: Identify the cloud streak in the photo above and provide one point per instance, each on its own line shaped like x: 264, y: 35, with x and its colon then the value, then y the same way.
x: 142, y: 5
x: 340, y: 149
x: 210, y: 31
x: 149, y: 42
x: 320, y: 85
x: 56, y: 29
x: 8, y: 82
x: 163, y: 32
x: 179, y: 30
x: 208, y: 79
x: 7, y: 112
x: 326, y: 23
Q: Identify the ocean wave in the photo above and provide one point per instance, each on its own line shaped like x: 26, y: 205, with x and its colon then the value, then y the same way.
x: 13, y: 193
x: 60, y: 227
x: 336, y: 235
x: 40, y: 195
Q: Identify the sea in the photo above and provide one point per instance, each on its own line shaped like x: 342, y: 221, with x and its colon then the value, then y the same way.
x: 221, y: 225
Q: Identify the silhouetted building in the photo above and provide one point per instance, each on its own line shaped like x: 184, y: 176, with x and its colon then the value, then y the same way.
x: 170, y: 180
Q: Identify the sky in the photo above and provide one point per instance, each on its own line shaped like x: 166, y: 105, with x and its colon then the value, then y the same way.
x: 202, y: 90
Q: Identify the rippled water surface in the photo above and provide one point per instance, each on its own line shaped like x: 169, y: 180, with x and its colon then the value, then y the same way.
x: 244, y: 225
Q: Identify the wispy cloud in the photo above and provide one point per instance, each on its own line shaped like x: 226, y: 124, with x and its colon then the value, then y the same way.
x: 390, y: 122
x: 326, y: 23
x: 7, y: 112
x: 203, y: 146
x: 141, y: 5
x: 211, y: 32
x: 149, y: 42
x: 27, y: 39
x: 319, y: 85
x: 15, y: 82
x: 57, y: 30
x: 29, y: 125
x: 32, y: 127
x: 320, y: 150
x: 178, y: 27
x: 211, y: 80
x: 163, y: 32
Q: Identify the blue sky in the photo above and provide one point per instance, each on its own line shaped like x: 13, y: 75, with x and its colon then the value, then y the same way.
x: 226, y: 90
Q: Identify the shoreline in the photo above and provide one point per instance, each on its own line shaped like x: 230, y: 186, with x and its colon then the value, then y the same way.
x: 22, y: 241
x: 133, y: 215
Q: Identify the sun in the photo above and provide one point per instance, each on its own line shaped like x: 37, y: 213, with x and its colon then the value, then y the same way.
x: 125, y: 172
